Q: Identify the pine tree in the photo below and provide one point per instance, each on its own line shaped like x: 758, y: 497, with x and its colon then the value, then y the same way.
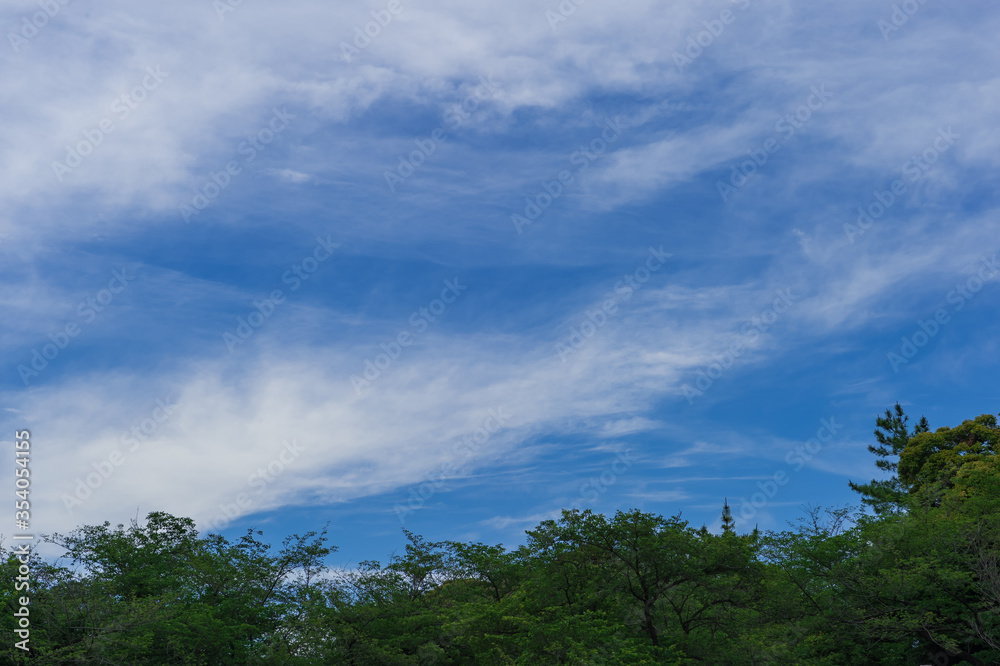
x: 728, y: 524
x: 892, y: 435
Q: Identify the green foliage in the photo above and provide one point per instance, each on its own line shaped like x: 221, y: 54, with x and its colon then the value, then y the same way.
x: 953, y: 462
x: 892, y: 436
x: 914, y: 582
x: 160, y: 594
x: 728, y: 524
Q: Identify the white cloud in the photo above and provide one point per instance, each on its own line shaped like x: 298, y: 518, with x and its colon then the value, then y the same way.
x: 225, y: 77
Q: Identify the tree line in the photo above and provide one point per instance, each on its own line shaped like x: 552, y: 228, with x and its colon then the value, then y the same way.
x: 908, y: 577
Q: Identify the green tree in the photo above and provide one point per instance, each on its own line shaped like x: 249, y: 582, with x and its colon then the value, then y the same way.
x: 926, y: 569
x: 728, y: 524
x: 892, y: 436
x: 955, y: 463
x: 158, y: 593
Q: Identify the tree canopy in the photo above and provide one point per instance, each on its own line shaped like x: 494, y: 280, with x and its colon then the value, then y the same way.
x: 910, y: 579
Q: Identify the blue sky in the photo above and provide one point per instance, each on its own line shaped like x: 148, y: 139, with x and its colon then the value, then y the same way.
x: 493, y: 261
